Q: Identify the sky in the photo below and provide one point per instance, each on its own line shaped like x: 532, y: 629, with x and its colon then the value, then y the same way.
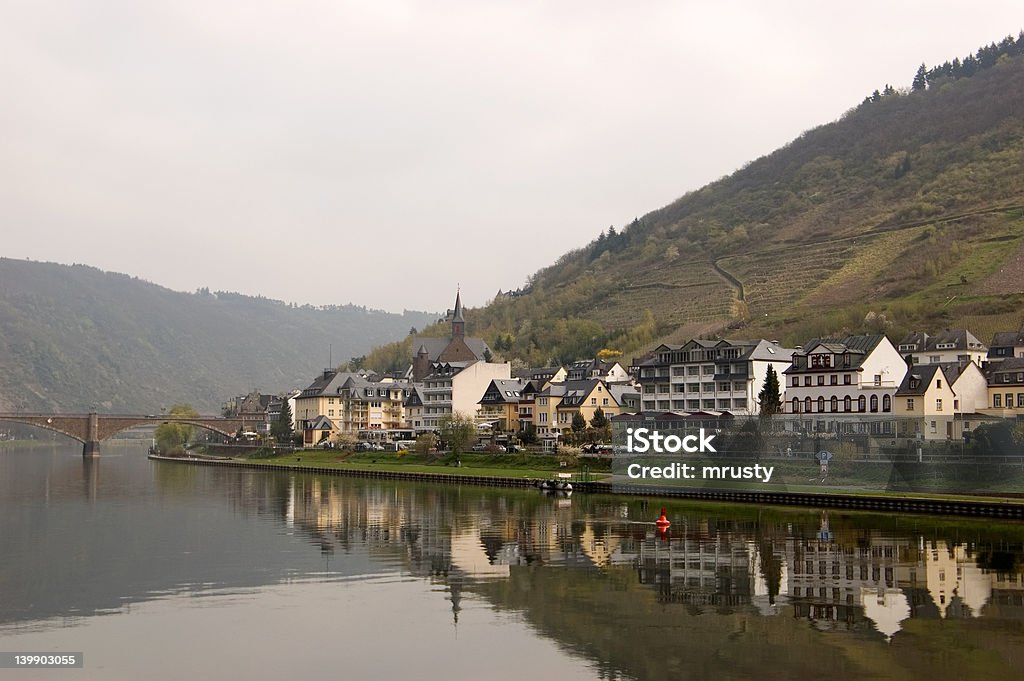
x: 385, y: 152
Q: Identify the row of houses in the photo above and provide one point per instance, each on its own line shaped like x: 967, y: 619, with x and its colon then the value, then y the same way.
x: 925, y: 386
x: 457, y: 375
x: 929, y: 387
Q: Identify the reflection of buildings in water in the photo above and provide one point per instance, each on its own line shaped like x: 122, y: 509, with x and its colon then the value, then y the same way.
x: 710, y: 572
x: 886, y: 608
x: 955, y: 582
x: 843, y: 585
x: 854, y: 581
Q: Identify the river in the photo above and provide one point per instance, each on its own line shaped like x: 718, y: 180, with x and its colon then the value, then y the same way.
x: 169, y: 571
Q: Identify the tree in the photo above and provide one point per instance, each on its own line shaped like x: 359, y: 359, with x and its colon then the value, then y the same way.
x: 457, y: 429
x: 426, y: 443
x: 770, y: 396
x: 921, y: 78
x: 599, y: 421
x: 282, y: 429
x: 528, y: 436
x: 172, y: 436
x: 579, y: 422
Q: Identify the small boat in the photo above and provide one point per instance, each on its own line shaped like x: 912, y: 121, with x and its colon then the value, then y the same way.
x: 555, y: 485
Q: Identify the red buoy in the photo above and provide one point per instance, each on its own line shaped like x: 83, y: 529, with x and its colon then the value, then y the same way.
x: 662, y: 521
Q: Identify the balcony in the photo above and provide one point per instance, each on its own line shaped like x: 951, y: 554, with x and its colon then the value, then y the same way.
x: 871, y: 385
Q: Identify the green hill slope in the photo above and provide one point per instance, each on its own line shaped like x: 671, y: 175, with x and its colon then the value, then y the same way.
x: 75, y: 338
x: 908, y: 212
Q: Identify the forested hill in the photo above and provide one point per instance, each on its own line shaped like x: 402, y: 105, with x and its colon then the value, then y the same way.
x: 75, y: 338
x: 906, y: 213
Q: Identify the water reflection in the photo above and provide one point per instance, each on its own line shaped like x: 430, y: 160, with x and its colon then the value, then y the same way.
x: 728, y: 591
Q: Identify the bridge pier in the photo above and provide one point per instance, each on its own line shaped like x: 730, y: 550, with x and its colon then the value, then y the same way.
x: 91, y: 446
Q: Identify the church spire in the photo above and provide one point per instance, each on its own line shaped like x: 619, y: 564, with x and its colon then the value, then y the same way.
x: 458, y: 322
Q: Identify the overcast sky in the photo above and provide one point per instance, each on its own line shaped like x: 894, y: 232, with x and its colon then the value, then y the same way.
x: 381, y: 152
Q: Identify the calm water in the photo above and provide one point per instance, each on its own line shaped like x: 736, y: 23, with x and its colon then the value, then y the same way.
x: 166, y: 571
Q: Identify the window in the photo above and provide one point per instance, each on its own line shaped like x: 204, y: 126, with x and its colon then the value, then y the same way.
x: 878, y: 379
x: 593, y: 400
x: 835, y: 403
x: 910, y: 404
x: 997, y: 400
x: 1009, y: 400
x: 807, y: 380
x: 938, y: 383
x: 821, y: 380
x: 807, y: 405
x: 934, y: 359
x: 821, y: 361
x: 886, y: 403
x: 874, y: 403
x: 796, y: 406
x: 847, y: 403
x: 796, y: 381
x: 938, y: 405
x: 604, y: 401
x: 860, y: 403
x: 847, y: 379
x: 1020, y: 399
x: 821, y: 404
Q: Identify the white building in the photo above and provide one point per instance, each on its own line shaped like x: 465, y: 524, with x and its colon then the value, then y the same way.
x: 709, y: 375
x: 457, y: 387
x: 850, y: 379
x: 958, y: 346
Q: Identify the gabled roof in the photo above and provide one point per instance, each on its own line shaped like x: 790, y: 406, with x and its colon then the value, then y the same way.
x: 857, y: 347
x: 960, y: 339
x: 578, y: 391
x: 356, y: 388
x: 1008, y: 339
x: 435, y: 346
x: 329, y: 382
x: 447, y: 369
x: 321, y: 423
x: 506, y: 390
x: 414, y: 396
x: 768, y: 351
x: 623, y: 391
x: 919, y: 379
x: 1010, y: 364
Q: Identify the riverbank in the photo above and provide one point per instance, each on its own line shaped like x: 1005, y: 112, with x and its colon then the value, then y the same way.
x: 933, y: 504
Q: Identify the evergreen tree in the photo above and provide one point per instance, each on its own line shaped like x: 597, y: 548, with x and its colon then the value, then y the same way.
x: 579, y: 422
x: 770, y: 396
x: 921, y: 78
x: 600, y: 421
x: 282, y: 429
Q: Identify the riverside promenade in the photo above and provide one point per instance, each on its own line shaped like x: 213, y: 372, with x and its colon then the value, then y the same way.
x: 881, y: 503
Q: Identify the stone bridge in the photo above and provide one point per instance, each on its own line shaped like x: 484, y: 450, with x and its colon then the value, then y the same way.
x: 91, y: 429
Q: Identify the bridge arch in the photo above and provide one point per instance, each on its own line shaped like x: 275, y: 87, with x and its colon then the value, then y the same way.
x: 91, y: 429
x: 56, y: 424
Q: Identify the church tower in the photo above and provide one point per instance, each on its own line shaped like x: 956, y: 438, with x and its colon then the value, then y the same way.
x: 458, y: 322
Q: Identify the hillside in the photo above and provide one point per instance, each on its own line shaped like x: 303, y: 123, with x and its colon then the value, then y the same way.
x: 74, y: 338
x: 908, y: 212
